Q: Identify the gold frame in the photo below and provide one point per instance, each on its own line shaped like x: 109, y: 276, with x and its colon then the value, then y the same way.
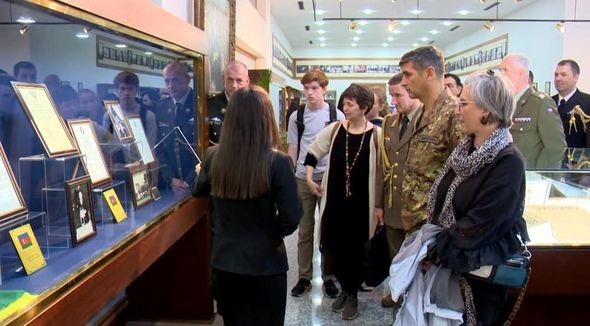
x: 111, y: 105
x: 70, y: 185
x: 136, y: 117
x: 134, y: 170
x: 72, y: 124
x: 23, y: 208
x: 72, y: 149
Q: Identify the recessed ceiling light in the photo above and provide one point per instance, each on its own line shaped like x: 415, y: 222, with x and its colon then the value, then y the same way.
x: 320, y: 12
x: 416, y: 11
x: 415, y: 45
x: 353, y: 44
x: 434, y: 32
x: 384, y: 44
x: 363, y: 22
x: 390, y: 39
x: 320, y: 23
x: 356, y: 38
x: 359, y: 31
x: 25, y: 20
x: 447, y: 23
x: 322, y: 44
x: 148, y: 53
x: 405, y: 22
x: 82, y: 35
x: 368, y: 11
x: 121, y: 46
x: 322, y: 38
x: 424, y: 39
x: 321, y: 31
x: 463, y: 12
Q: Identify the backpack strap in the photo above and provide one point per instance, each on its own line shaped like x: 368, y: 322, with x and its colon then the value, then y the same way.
x: 300, y: 126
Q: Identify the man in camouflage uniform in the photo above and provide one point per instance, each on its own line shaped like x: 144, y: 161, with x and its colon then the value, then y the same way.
x: 537, y: 129
x: 435, y: 131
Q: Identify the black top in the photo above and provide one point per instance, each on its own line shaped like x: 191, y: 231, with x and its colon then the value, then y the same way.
x: 217, y: 106
x: 488, y: 210
x: 577, y: 137
x: 248, y: 234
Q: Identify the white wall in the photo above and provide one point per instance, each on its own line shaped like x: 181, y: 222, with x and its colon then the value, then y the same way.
x: 576, y: 41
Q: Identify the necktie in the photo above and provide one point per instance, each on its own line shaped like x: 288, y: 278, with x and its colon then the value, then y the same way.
x: 561, y: 104
x: 404, y: 126
x: 178, y: 112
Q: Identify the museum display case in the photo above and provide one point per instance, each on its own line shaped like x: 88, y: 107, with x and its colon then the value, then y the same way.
x: 98, y: 202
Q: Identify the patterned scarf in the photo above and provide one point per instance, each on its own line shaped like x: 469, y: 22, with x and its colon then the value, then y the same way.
x: 465, y: 165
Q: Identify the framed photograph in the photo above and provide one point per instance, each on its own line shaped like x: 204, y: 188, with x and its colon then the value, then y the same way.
x: 145, y: 149
x: 87, y: 142
x: 156, y: 193
x: 11, y: 201
x: 80, y: 209
x: 140, y: 186
x: 47, y: 123
x: 119, y: 120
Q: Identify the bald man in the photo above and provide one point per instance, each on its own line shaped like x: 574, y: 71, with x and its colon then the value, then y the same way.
x: 178, y: 110
x: 235, y: 76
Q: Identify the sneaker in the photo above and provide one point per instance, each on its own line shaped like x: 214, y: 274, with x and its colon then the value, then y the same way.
x: 367, y: 288
x: 330, y: 289
x: 338, y: 304
x: 387, y: 301
x: 351, y: 308
x: 300, y: 288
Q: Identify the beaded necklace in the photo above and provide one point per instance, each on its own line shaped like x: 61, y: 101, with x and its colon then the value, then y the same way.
x: 349, y: 167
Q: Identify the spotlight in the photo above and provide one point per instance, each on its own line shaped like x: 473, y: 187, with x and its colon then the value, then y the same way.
x: 86, y: 29
x: 489, y: 26
x: 392, y: 26
x: 353, y: 26
x: 24, y: 29
x: 560, y: 27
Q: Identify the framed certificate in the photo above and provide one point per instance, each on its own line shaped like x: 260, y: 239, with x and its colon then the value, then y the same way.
x: 80, y: 209
x: 118, y: 120
x: 43, y: 114
x: 140, y: 186
x: 145, y: 150
x: 11, y: 201
x: 87, y: 142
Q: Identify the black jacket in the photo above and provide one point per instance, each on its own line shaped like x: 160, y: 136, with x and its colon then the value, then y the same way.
x: 578, y: 138
x: 248, y: 234
x: 216, y: 105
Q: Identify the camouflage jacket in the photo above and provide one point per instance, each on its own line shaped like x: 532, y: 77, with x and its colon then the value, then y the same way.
x: 434, y: 136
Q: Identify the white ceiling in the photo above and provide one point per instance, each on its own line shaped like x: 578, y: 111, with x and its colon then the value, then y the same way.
x: 292, y: 21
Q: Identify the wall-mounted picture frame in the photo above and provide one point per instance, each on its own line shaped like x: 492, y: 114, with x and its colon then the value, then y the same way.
x: 80, y: 209
x: 140, y: 186
x: 87, y: 142
x: 119, y: 120
x: 145, y: 150
x: 47, y: 122
x: 11, y: 202
x: 359, y: 68
x: 483, y: 56
x: 548, y: 88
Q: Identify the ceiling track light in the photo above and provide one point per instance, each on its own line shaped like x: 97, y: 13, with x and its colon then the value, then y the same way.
x: 560, y: 26
x: 392, y: 26
x: 489, y: 26
x: 23, y: 29
x: 353, y: 26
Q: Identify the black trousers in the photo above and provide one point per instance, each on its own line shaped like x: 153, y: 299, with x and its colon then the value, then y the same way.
x: 349, y: 267
x: 489, y: 300
x: 250, y: 300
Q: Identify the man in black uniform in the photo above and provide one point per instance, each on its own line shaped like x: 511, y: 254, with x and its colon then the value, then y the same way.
x: 176, y: 158
x: 235, y: 76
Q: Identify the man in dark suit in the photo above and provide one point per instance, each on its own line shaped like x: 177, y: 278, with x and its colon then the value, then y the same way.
x: 235, y: 76
x: 176, y: 158
x: 568, y: 97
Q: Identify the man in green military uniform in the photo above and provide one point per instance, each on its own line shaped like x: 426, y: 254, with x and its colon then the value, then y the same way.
x: 537, y: 129
x: 435, y: 131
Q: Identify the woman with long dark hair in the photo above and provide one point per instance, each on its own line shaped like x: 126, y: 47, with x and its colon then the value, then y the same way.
x: 254, y: 205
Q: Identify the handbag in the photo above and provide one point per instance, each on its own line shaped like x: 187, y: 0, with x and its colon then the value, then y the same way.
x: 513, y: 273
x: 377, y: 258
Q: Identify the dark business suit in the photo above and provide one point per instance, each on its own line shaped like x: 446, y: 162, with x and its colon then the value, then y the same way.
x: 176, y: 159
x: 575, y: 135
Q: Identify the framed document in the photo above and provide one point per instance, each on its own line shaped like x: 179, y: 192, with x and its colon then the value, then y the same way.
x: 145, y: 150
x: 119, y: 120
x: 80, y: 210
x: 48, y: 124
x: 140, y: 186
x: 11, y: 201
x: 114, y: 205
x: 87, y: 142
x: 27, y: 248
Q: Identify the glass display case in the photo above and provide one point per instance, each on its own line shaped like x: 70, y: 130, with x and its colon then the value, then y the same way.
x: 85, y: 61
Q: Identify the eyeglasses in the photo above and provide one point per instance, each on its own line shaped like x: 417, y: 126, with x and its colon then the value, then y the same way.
x: 464, y: 103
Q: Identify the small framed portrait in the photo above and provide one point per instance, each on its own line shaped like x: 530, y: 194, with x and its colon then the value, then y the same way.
x: 140, y: 186
x: 80, y: 209
x: 119, y: 120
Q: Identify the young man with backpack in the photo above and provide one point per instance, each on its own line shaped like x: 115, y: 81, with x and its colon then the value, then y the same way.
x: 304, y: 125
